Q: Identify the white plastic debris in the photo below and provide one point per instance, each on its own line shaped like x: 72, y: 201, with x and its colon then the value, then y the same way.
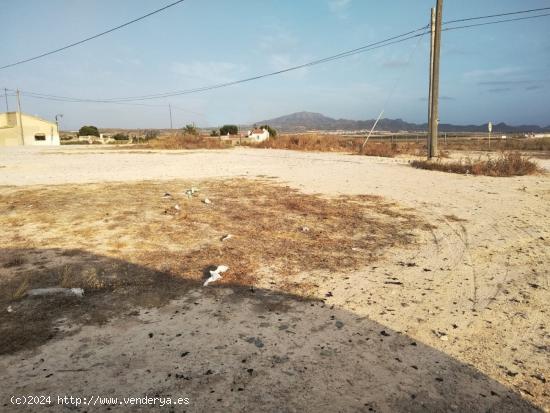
x: 305, y: 229
x: 207, y: 201
x: 190, y: 192
x: 79, y: 292
x: 10, y: 310
x: 227, y: 237
x: 216, y: 274
x: 177, y: 207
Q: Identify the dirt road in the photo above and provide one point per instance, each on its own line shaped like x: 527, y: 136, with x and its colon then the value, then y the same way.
x: 458, y: 322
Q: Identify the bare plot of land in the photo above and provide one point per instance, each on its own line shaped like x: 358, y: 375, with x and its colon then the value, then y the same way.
x: 433, y: 297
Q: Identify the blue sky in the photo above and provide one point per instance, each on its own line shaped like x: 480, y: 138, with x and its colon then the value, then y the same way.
x: 497, y: 73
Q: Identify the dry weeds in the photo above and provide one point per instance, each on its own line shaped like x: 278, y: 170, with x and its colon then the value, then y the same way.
x: 510, y: 144
x: 506, y: 164
x: 126, y: 244
x: 334, y: 143
x: 184, y: 141
x: 273, y: 227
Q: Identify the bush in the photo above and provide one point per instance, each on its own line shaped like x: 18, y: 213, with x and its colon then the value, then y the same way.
x: 151, y: 134
x: 190, y: 130
x: 506, y: 164
x: 88, y: 131
x: 229, y: 130
x: 120, y: 137
x: 272, y: 131
x: 215, y: 133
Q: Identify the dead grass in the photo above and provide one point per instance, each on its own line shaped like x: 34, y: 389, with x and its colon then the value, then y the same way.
x: 16, y: 261
x: 184, y: 141
x: 267, y: 222
x: 506, y: 164
x: 277, y: 233
x: 311, y: 142
x: 334, y: 143
x: 510, y: 144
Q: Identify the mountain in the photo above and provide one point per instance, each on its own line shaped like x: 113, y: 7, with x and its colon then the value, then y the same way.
x: 307, y: 121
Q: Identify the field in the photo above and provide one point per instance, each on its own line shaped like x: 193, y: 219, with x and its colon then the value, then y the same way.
x: 355, y: 283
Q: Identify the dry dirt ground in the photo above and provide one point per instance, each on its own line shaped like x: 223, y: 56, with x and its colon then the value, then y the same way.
x: 355, y: 283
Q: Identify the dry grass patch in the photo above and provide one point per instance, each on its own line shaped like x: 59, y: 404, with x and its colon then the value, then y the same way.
x: 311, y: 142
x: 506, y: 164
x: 184, y: 141
x: 280, y: 237
x: 335, y: 143
x: 496, y: 144
x: 274, y: 228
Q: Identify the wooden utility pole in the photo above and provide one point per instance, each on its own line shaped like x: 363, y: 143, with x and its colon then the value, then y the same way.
x: 434, y: 79
x: 20, y: 118
x: 432, y: 38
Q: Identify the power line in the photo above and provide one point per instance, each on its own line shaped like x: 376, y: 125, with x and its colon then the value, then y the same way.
x: 70, y: 100
x: 496, y: 15
x: 92, y: 37
x: 496, y: 22
x: 383, y: 43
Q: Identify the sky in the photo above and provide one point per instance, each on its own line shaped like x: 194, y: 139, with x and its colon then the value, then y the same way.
x: 498, y: 73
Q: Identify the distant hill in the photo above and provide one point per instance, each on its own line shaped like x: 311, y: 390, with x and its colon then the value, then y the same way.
x: 306, y: 121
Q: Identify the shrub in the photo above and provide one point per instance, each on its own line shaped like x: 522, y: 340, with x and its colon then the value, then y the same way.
x: 151, y: 134
x: 272, y: 131
x: 506, y: 164
x: 190, y: 130
x: 120, y: 137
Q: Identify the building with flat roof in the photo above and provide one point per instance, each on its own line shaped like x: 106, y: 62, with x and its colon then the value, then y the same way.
x: 19, y: 129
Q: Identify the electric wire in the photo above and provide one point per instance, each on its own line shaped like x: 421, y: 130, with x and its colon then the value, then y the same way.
x: 382, y: 43
x: 30, y: 59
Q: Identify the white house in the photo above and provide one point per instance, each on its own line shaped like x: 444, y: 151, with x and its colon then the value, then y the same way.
x: 258, y: 135
x: 18, y: 128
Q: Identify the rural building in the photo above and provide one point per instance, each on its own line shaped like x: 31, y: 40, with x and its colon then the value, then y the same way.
x: 258, y: 135
x: 17, y: 129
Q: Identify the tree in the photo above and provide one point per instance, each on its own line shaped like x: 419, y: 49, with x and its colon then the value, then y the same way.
x: 88, y: 131
x: 214, y: 133
x: 190, y: 130
x: 229, y: 130
x: 272, y: 132
x: 120, y: 137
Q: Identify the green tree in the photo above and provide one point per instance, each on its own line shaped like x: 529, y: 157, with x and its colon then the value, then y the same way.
x: 272, y: 132
x: 88, y: 131
x: 120, y: 137
x: 190, y: 130
x: 229, y: 130
x: 214, y: 133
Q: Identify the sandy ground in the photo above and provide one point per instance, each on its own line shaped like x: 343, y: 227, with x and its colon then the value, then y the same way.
x: 466, y: 330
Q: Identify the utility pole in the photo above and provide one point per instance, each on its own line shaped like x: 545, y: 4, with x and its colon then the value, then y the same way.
x: 20, y: 118
x: 434, y: 79
x: 432, y: 38
x: 170, y: 110
x: 6, y: 95
x: 59, y: 115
